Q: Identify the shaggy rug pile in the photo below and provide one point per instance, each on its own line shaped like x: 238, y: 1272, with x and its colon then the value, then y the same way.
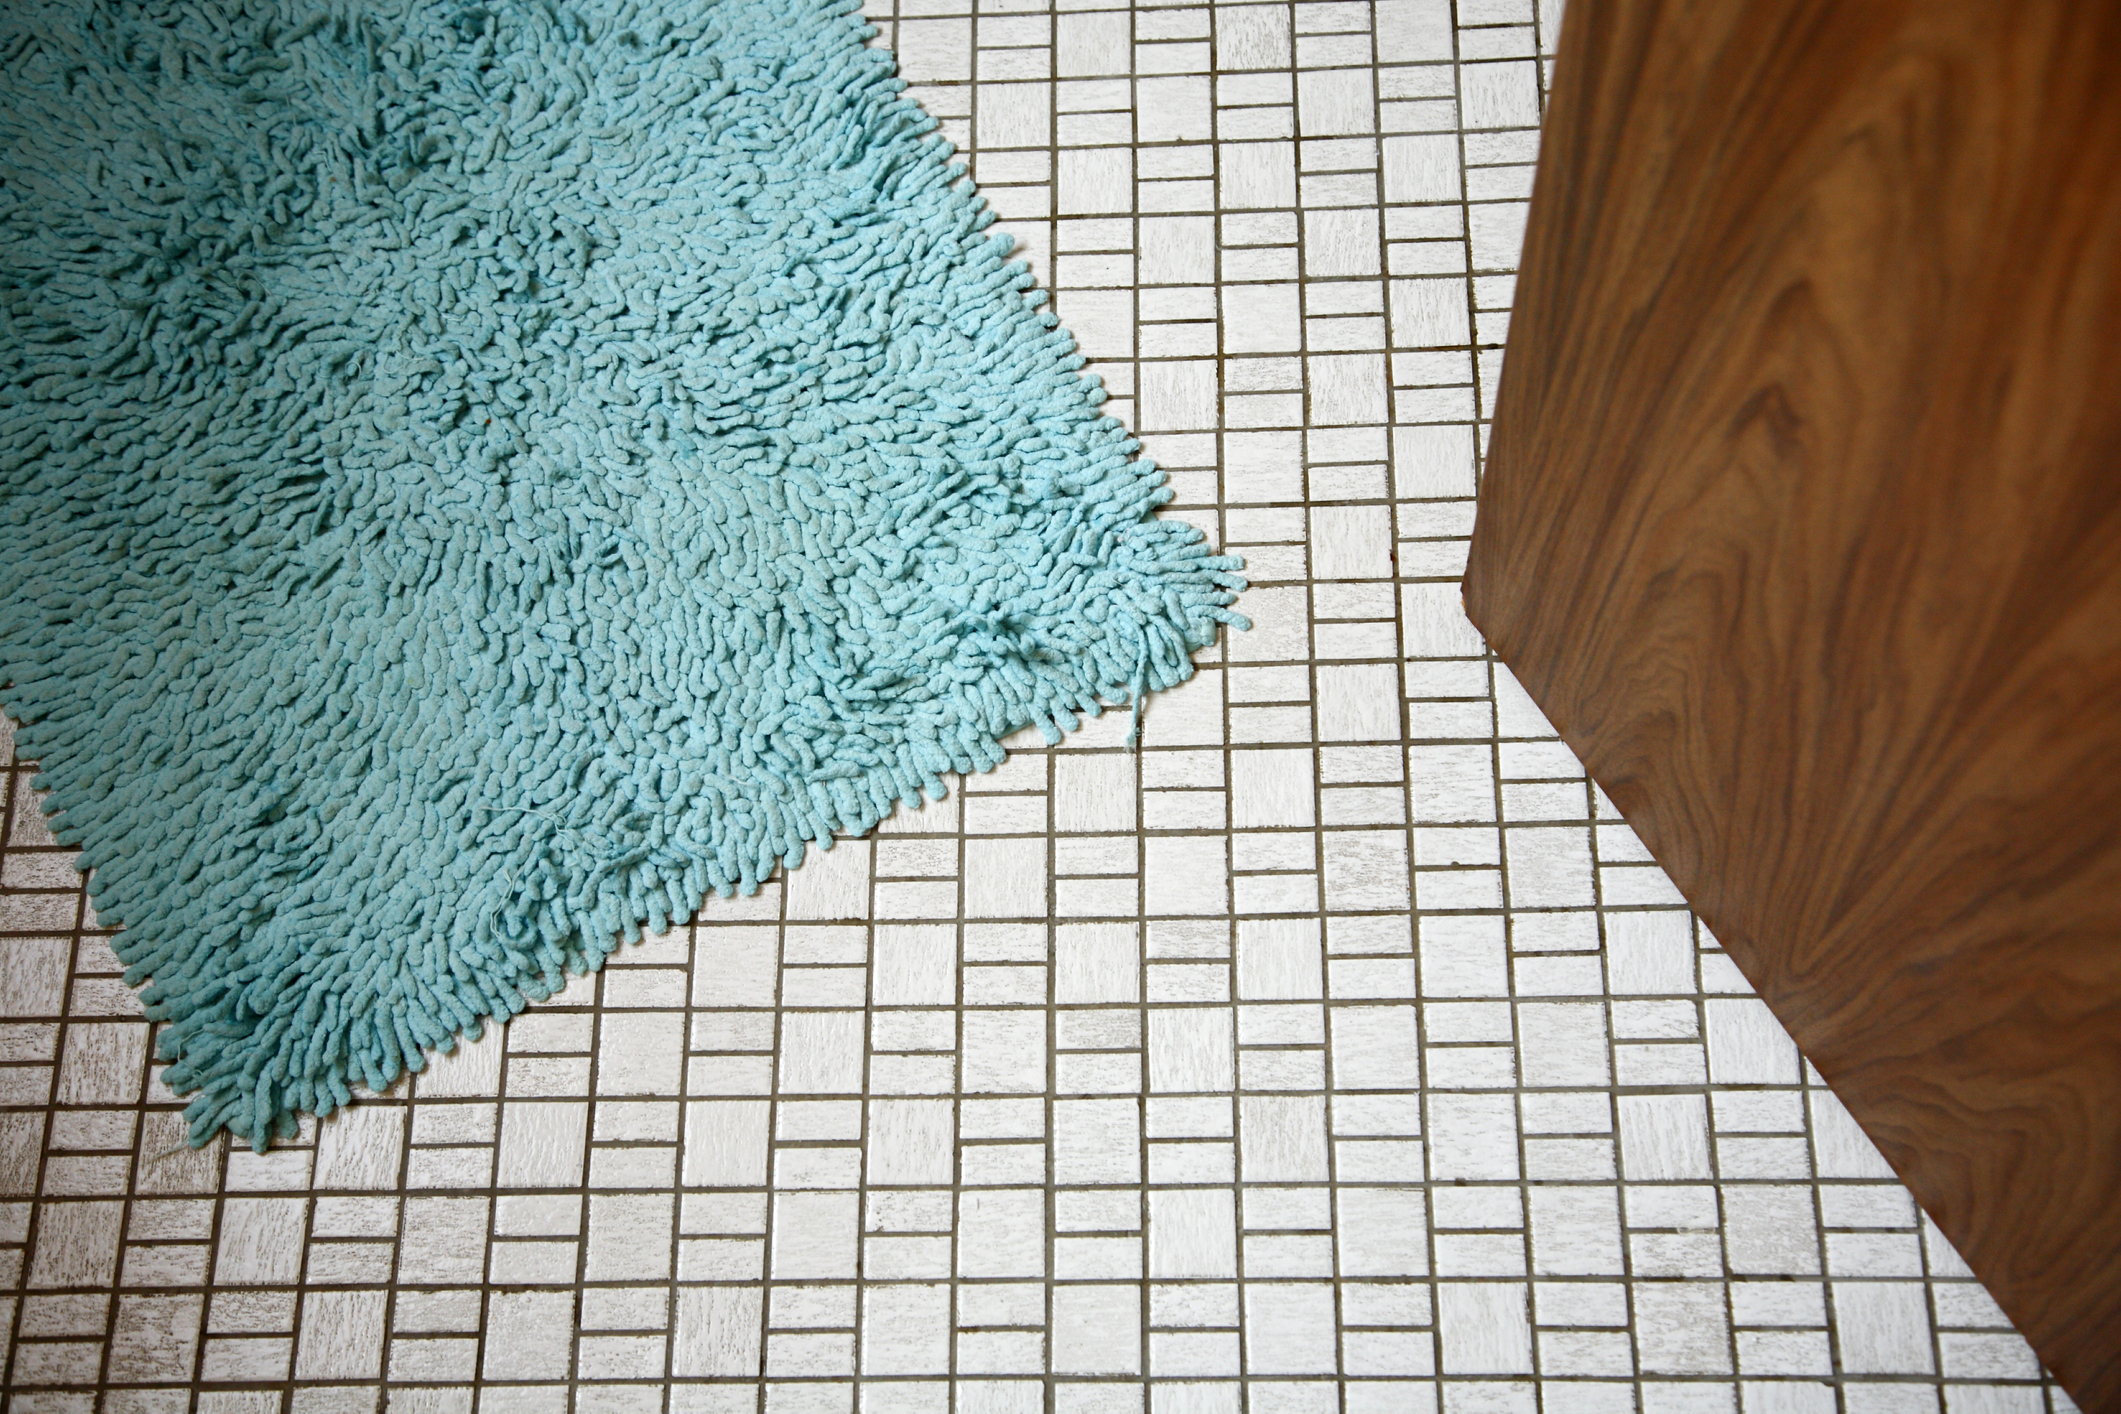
x: 475, y: 477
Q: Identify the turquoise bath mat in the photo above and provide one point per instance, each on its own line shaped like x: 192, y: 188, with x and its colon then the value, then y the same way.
x: 476, y: 476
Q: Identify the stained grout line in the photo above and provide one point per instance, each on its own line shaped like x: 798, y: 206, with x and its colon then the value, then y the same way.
x: 768, y: 1268
x: 680, y: 1154
x: 1508, y: 912
x: 1396, y: 497
x: 1145, y: 1290
x: 1613, y: 1055
x: 1300, y: 210
x: 32, y: 1240
x: 13, y: 778
x: 1628, y: 1275
x: 1828, y: 1315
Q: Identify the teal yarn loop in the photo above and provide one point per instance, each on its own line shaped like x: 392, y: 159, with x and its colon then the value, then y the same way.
x: 476, y: 477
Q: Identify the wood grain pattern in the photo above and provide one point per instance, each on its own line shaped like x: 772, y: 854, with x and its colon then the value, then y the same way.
x: 1802, y: 521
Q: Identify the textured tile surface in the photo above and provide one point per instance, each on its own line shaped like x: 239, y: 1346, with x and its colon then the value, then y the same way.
x: 1340, y: 1050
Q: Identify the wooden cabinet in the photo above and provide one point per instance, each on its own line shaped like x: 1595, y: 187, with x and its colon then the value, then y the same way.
x: 1802, y: 521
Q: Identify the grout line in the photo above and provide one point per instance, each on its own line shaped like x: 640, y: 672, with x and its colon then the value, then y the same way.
x: 769, y: 1275
x: 408, y: 1126
x: 15, y: 780
x: 1144, y: 1291
x: 1828, y: 1315
x: 680, y: 1153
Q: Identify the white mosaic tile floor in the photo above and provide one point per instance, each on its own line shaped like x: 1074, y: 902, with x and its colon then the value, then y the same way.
x: 1342, y: 1050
